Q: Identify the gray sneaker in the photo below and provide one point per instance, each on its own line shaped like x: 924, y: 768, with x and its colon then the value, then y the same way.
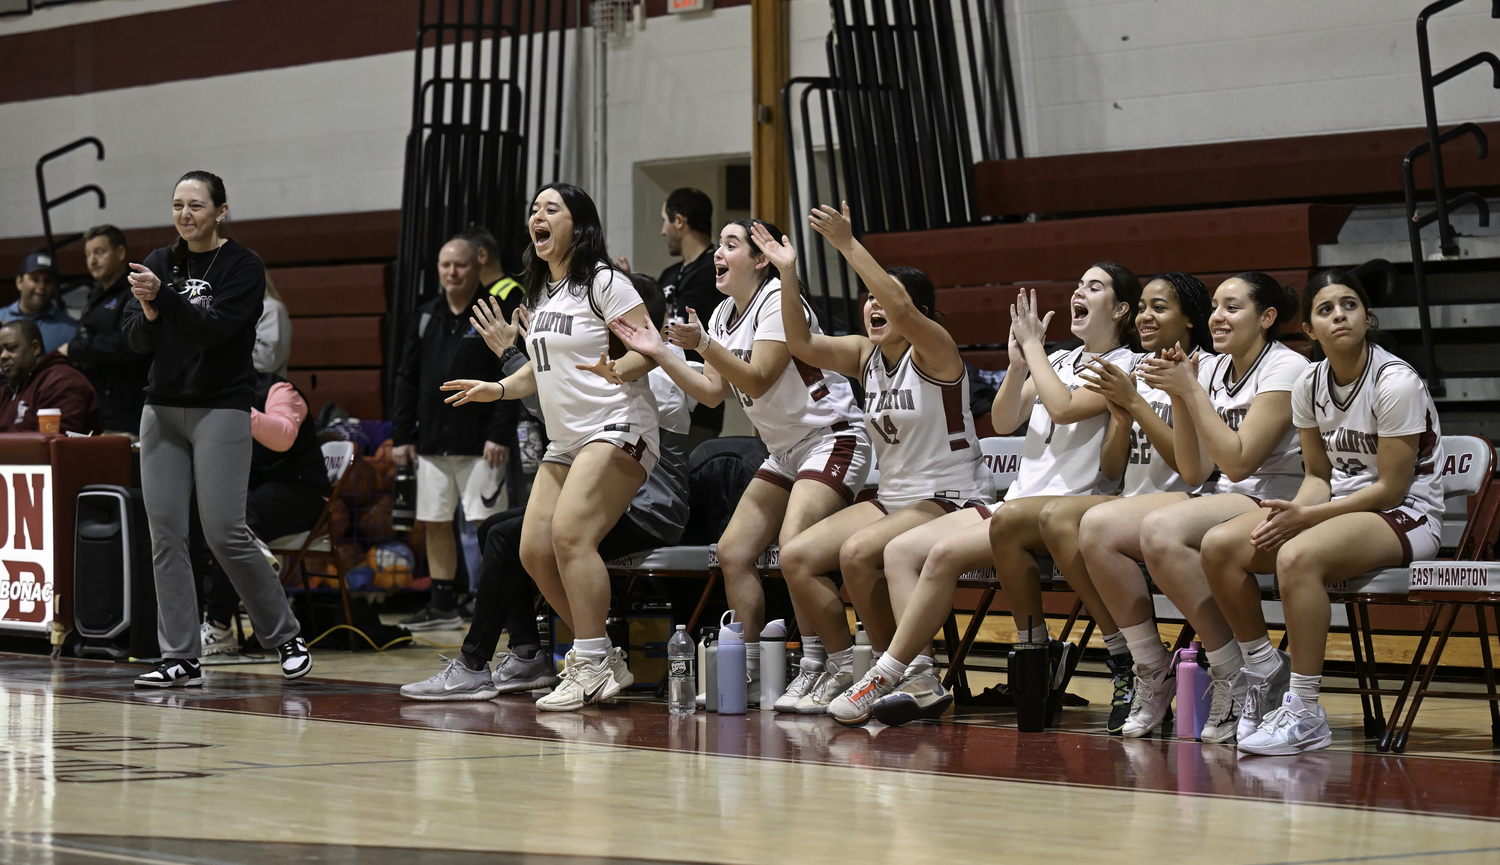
x: 454, y: 684
x: 514, y: 673
x: 1263, y: 694
x: 831, y: 684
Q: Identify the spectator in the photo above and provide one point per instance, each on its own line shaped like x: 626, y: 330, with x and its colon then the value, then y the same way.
x: 273, y: 333
x: 686, y: 223
x: 36, y: 380
x: 117, y: 371
x: 37, y: 284
x: 509, y: 294
x: 288, y: 489
x: 460, y: 452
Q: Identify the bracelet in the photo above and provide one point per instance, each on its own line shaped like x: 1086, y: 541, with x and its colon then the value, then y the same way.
x: 502, y: 389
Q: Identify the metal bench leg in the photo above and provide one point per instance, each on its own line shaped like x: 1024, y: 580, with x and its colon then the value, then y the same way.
x: 1399, y: 746
x: 1489, y: 669
x: 959, y: 650
x: 692, y: 625
x: 1372, y: 669
x: 1359, y: 668
x: 1389, y: 735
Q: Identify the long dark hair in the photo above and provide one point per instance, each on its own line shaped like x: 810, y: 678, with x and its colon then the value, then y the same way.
x: 586, y: 253
x: 179, y: 248
x: 1127, y: 288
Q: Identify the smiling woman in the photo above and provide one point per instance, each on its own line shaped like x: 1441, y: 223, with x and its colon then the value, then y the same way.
x: 196, y: 304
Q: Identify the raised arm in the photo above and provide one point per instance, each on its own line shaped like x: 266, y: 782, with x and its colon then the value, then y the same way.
x: 1013, y: 401
x: 1064, y: 406
x: 707, y: 387
x: 843, y: 354
x: 932, y: 346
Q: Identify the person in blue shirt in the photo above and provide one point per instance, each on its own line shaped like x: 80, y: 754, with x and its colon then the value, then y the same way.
x: 37, y: 284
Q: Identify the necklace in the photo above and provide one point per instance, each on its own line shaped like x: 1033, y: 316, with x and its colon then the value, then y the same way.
x: 217, y: 250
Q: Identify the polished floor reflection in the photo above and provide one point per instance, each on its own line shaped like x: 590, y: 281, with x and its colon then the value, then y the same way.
x: 339, y: 768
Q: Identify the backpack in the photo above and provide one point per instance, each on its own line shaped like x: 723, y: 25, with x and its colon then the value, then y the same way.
x: 719, y: 470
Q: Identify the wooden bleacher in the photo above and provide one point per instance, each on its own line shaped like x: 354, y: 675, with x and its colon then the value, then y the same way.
x: 338, y: 334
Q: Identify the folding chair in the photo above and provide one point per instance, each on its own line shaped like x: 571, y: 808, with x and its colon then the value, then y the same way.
x: 1464, y: 580
x: 338, y: 456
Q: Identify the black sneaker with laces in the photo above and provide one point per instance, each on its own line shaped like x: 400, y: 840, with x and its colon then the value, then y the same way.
x: 1121, y: 667
x: 172, y: 673
x: 296, y: 661
x: 430, y: 618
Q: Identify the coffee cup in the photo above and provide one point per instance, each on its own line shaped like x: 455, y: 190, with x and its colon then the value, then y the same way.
x: 49, y: 420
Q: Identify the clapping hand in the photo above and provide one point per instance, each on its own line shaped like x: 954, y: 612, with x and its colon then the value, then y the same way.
x: 780, y: 253
x: 687, y: 335
x: 498, y: 333
x: 646, y: 340
x: 1026, y: 329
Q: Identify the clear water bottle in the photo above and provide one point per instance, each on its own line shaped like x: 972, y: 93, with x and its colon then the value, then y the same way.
x: 682, y: 683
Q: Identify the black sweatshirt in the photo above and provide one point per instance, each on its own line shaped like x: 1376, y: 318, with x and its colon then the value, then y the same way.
x: 117, y: 371
x: 441, y: 346
x: 204, y: 336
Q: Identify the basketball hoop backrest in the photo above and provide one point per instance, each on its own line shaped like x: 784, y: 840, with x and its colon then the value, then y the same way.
x: 337, y: 456
x: 1468, y: 462
x: 1002, y: 459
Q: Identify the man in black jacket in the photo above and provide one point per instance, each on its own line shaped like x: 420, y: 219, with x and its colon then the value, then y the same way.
x: 460, y: 453
x: 117, y: 371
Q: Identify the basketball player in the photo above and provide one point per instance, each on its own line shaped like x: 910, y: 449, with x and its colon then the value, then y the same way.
x: 600, y: 418
x: 1232, y: 431
x: 806, y: 415
x: 1062, y: 458
x: 1372, y: 497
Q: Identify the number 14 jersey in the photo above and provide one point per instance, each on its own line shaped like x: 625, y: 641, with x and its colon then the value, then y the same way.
x: 925, y: 445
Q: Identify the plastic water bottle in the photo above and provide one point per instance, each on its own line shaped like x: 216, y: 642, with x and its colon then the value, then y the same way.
x: 731, y: 660
x: 1193, y: 698
x: 864, y: 654
x: 772, y: 664
x: 681, y: 675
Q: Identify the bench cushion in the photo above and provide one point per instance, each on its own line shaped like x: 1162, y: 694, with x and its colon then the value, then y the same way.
x: 665, y: 559
x: 1385, y: 581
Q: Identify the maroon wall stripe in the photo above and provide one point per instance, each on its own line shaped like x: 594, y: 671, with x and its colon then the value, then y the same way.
x: 217, y: 39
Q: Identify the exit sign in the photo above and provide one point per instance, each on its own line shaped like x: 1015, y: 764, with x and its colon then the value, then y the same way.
x: 679, y: 6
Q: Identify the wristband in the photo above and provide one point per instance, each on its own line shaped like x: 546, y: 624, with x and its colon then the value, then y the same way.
x: 707, y: 341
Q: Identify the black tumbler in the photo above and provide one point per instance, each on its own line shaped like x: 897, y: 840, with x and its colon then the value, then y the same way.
x: 1028, y: 685
x: 404, y: 500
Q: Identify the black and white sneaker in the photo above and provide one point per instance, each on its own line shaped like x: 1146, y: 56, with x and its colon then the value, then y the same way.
x: 1122, y: 674
x: 296, y: 661
x: 172, y: 673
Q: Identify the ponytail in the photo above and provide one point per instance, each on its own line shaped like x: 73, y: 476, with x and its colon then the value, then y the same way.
x: 1266, y: 293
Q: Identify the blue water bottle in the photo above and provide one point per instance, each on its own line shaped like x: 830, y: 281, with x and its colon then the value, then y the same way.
x: 732, y: 681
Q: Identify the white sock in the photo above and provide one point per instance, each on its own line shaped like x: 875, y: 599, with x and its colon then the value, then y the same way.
x: 1225, y: 660
x: 891, y: 668
x: 1037, y: 634
x: 1260, y: 656
x: 842, y: 662
x: 1116, y: 643
x: 1144, y: 642
x: 1307, y: 688
x: 752, y: 660
x: 591, y: 650
x: 922, y: 662
x: 812, y: 648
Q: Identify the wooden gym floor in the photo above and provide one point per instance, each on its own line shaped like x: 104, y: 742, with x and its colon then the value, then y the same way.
x: 337, y: 767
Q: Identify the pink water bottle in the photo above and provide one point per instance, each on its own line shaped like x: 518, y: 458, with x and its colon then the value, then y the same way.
x: 1192, y: 692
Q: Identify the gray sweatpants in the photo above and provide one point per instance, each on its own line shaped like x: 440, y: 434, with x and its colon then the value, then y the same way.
x: 207, y: 450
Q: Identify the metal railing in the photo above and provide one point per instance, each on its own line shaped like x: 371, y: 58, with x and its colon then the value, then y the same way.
x: 1433, y: 147
x: 487, y: 122
x: 915, y: 91
x: 54, y: 243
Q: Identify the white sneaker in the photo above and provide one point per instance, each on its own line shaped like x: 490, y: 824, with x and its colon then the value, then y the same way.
x: 829, y: 685
x: 1294, y: 728
x: 217, y: 640
x: 584, y: 684
x: 800, y: 685
x: 919, y: 695
x: 1263, y: 694
x: 1150, y: 698
x: 852, y: 707
x: 1227, y: 695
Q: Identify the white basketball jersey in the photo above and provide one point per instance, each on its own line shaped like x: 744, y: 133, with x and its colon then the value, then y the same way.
x: 1388, y: 400
x: 1276, y: 369
x: 925, y: 444
x: 1063, y: 459
x: 1146, y: 472
x: 674, y: 408
x: 805, y: 399
x: 568, y: 327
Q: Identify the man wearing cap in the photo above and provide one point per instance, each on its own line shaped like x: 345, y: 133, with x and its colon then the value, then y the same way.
x: 37, y: 284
